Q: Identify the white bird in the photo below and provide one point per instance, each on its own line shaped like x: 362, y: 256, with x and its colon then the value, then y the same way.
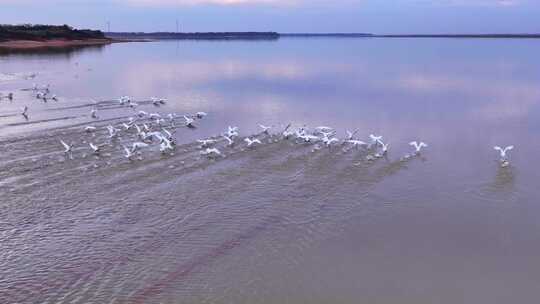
x: 89, y: 129
x: 93, y: 113
x: 418, y: 146
x: 24, y: 112
x: 126, y: 126
x: 165, y: 144
x: 211, y: 151
x: 136, y: 146
x: 189, y: 122
x: 200, y: 115
x: 251, y: 142
x: 95, y: 148
x: 350, y: 135
x: 230, y: 142
x: 168, y: 134
x: 377, y: 140
x: 503, y: 152
x: 232, y: 132
x: 329, y: 141
x: 206, y: 142
x: 384, y: 148
x: 324, y: 129
x: 356, y: 143
x: 54, y: 97
x: 67, y: 148
x: 309, y: 137
x: 265, y: 129
x: 154, y: 116
x: 128, y: 152
x: 113, y: 132
x: 142, y: 114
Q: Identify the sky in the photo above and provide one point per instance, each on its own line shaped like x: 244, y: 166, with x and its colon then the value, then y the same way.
x: 285, y: 16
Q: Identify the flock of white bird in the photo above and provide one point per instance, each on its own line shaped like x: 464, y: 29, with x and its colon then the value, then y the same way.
x: 155, y: 129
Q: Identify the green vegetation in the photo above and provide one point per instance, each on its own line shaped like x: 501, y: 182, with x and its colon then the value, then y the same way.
x: 46, y: 32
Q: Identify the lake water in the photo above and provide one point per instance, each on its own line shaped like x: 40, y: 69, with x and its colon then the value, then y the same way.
x: 283, y: 222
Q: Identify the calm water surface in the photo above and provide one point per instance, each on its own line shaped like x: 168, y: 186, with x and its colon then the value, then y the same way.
x: 280, y: 223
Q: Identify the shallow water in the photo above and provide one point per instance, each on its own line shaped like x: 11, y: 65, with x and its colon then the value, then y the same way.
x: 282, y: 222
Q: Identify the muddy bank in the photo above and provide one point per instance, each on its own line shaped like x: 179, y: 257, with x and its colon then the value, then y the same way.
x: 56, y: 43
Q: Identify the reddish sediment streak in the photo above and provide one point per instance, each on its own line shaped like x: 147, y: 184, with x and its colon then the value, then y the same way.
x: 186, y: 269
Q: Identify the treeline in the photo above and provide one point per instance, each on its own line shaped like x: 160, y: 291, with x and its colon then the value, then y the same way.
x: 46, y: 32
x: 195, y: 36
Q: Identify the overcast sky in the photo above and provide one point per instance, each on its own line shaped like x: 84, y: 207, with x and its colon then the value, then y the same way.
x: 374, y: 16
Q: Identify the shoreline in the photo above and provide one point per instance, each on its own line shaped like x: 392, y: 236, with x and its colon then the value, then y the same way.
x: 54, y: 43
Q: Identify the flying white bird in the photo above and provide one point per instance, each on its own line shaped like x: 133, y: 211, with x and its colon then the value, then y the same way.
x: 251, y: 142
x: 503, y: 152
x: 189, y: 122
x: 67, y: 148
x: 230, y: 142
x: 356, y: 143
x: 377, y: 140
x: 232, y: 132
x: 142, y: 114
x: 154, y: 116
x: 418, y: 146
x: 265, y: 129
x: 350, y: 135
x: 89, y: 129
x: 136, y: 146
x: 329, y: 141
x: 211, y: 152
x: 128, y: 154
x: 206, y: 142
x: 113, y: 132
x: 96, y: 149
x: 384, y: 148
x: 200, y: 115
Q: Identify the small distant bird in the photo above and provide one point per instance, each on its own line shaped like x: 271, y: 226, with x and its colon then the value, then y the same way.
x: 377, y: 140
x: 136, y: 146
x: 113, y: 132
x: 54, y: 97
x: 95, y: 148
x: 251, y: 142
x: 418, y: 146
x: 128, y: 154
x: 189, y: 122
x: 89, y: 129
x: 230, y: 142
x: 329, y: 141
x: 24, y: 112
x: 126, y: 126
x: 503, y: 152
x: 324, y: 129
x: 154, y: 116
x: 232, y: 132
x: 93, y: 113
x: 157, y: 101
x: 385, y: 147
x: 10, y: 96
x: 200, y: 115
x: 206, y: 142
x: 142, y: 114
x: 211, y: 152
x: 67, y: 148
x: 308, y: 137
x: 169, y: 135
x: 265, y: 129
x: 356, y: 143
x: 350, y: 135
